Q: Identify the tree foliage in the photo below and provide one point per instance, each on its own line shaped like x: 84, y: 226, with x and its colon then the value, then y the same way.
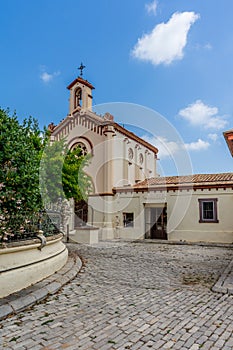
x: 76, y: 183
x: 34, y: 172
x: 21, y: 147
x: 62, y: 174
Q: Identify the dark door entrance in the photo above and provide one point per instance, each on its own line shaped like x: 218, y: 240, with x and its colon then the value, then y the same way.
x: 81, y: 213
x: 156, y: 223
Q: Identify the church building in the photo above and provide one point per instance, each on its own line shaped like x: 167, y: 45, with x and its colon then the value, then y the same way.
x: 129, y: 199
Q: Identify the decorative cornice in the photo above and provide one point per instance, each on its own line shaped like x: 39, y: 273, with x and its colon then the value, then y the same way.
x: 71, y: 117
x: 170, y: 188
x: 103, y: 122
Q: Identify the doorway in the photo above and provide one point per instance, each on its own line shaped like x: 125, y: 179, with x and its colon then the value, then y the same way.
x: 81, y: 213
x: 156, y: 222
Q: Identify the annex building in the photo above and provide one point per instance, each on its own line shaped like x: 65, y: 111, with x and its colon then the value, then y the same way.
x: 129, y: 199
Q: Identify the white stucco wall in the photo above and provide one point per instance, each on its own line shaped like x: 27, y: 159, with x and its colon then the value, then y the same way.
x: 128, y: 171
x: 182, y: 214
x: 190, y: 229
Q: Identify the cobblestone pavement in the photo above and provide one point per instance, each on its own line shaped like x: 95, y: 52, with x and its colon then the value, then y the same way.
x: 132, y: 296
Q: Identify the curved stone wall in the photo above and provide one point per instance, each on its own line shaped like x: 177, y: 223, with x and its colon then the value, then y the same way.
x: 25, y: 263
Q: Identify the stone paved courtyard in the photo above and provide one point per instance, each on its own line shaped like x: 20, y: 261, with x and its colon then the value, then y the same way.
x: 132, y: 296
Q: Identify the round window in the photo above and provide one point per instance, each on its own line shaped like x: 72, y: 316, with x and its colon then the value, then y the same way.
x: 82, y: 146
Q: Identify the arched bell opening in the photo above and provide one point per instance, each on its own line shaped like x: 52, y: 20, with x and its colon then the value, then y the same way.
x: 78, y: 98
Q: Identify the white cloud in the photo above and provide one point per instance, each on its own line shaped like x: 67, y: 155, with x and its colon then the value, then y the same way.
x: 200, y: 114
x: 213, y: 137
x: 167, y: 41
x: 197, y: 146
x: 170, y: 148
x: 207, y: 46
x: 151, y: 7
x: 166, y: 148
x: 48, y: 77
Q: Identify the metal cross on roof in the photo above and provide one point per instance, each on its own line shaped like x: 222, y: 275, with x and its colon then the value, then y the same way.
x: 81, y: 68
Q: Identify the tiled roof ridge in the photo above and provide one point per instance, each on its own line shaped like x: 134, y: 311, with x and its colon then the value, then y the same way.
x: 187, y: 179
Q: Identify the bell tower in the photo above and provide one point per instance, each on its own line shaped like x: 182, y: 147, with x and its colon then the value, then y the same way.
x: 80, y: 93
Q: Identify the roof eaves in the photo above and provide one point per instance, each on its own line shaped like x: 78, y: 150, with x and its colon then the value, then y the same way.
x: 136, y: 138
x: 228, y: 135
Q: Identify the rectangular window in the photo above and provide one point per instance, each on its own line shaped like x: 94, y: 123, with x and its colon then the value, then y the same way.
x: 128, y: 219
x: 208, y: 210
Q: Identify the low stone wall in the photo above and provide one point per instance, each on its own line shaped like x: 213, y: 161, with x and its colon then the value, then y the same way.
x: 25, y: 263
x: 85, y: 234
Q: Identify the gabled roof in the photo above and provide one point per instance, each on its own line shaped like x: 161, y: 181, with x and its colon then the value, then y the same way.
x: 229, y: 139
x: 197, y: 181
x: 81, y: 81
x: 100, y: 121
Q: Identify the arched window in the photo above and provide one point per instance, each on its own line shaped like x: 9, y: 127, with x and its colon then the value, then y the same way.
x: 78, y: 98
x: 82, y: 146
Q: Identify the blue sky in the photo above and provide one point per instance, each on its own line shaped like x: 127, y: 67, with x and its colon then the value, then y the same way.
x: 171, y: 56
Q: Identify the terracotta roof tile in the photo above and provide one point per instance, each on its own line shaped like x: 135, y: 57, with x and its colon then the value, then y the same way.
x: 188, y: 180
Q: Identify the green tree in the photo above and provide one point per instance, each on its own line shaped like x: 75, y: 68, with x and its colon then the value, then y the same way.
x: 62, y: 174
x: 76, y: 183
x: 21, y: 147
x: 35, y: 172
